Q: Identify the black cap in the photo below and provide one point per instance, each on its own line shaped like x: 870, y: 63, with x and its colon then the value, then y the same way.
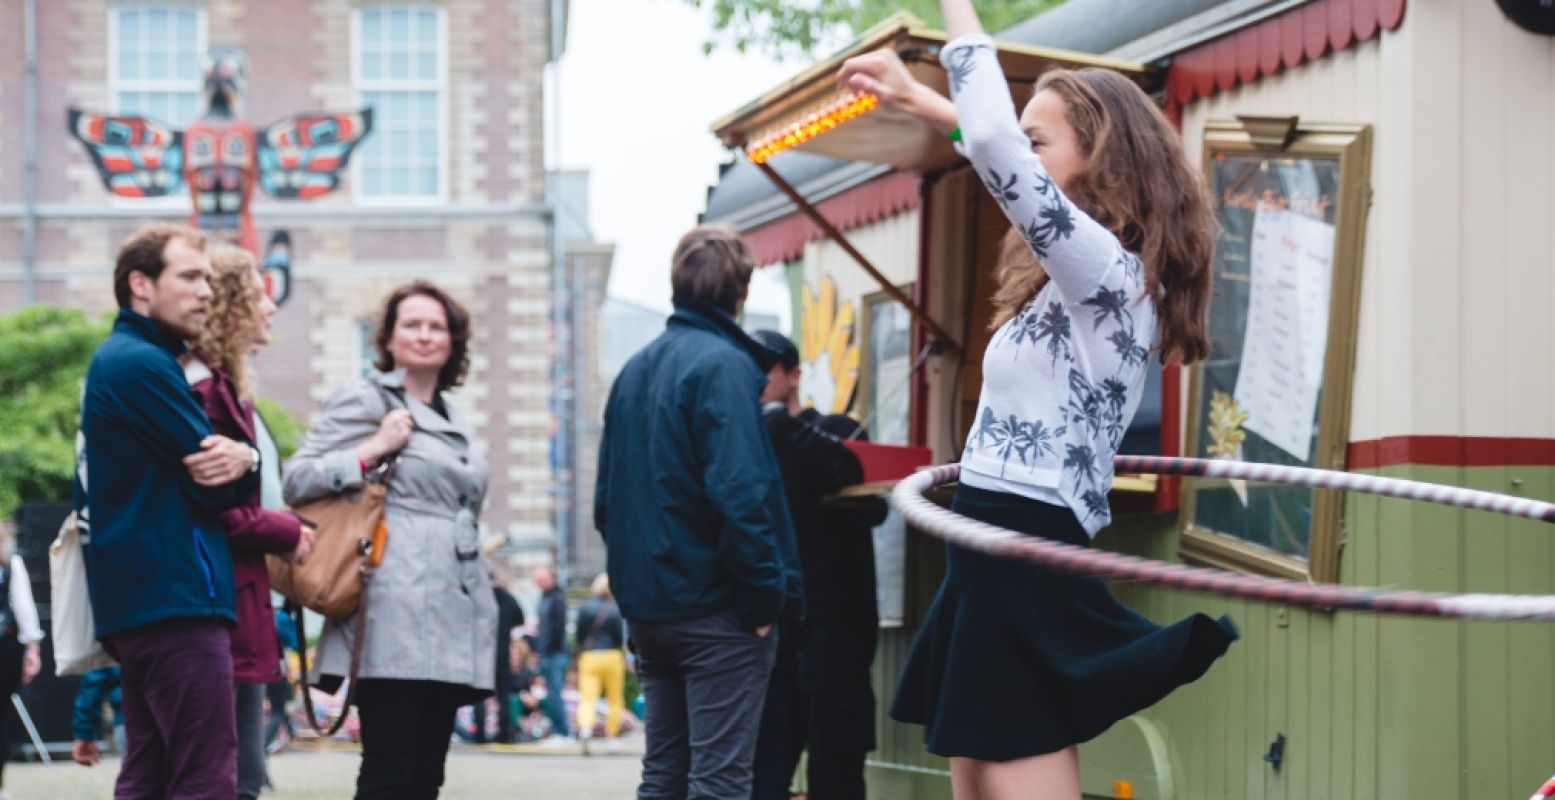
x: 787, y: 353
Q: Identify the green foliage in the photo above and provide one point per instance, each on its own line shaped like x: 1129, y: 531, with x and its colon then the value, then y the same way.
x: 43, y: 357
x: 784, y: 29
x: 285, y: 427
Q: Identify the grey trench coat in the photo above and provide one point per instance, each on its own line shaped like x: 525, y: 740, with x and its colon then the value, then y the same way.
x: 431, y: 614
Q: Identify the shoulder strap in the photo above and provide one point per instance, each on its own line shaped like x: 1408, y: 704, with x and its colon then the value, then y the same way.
x: 599, y: 619
x: 359, y: 632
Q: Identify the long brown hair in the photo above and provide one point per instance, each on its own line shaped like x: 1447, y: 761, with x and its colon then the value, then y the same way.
x: 228, y: 335
x: 1136, y: 181
x: 458, y: 363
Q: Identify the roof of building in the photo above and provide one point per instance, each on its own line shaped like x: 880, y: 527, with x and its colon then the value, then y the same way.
x: 1073, y: 25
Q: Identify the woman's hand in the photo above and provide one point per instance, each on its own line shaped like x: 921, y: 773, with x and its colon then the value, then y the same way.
x: 220, y: 461
x: 32, y: 662
x: 392, y: 436
x: 305, y: 543
x: 882, y: 74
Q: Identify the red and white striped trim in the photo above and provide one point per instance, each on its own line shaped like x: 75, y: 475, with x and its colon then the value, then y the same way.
x: 972, y: 534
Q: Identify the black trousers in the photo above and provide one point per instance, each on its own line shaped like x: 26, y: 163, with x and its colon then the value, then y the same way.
x: 406, y: 726
x: 10, y: 677
x: 504, y: 719
x: 781, y: 738
x: 835, y: 776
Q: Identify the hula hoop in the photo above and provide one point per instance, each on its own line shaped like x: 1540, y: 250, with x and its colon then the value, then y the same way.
x: 956, y: 529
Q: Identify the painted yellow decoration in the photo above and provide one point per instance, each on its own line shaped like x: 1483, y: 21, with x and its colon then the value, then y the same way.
x: 827, y: 351
x: 1225, y: 426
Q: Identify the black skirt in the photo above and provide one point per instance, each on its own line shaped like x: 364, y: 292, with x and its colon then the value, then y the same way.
x: 1015, y: 660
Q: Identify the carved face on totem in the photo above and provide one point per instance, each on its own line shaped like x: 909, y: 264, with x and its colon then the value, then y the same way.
x: 226, y: 78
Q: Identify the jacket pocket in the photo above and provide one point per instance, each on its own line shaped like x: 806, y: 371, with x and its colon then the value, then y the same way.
x: 204, y: 557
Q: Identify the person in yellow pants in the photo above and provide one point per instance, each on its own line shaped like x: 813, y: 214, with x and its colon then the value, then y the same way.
x: 601, y: 661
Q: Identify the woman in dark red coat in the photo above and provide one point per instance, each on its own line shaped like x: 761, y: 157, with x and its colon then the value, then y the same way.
x: 238, y: 322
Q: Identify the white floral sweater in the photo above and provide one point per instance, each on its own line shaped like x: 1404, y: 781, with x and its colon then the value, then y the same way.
x: 1062, y: 379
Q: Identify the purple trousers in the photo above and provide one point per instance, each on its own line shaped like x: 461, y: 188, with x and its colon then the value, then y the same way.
x: 180, y: 729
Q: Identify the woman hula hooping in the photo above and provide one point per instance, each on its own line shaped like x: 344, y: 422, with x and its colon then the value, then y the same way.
x: 1108, y: 262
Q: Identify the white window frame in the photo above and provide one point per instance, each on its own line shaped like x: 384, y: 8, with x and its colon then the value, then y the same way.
x: 116, y: 84
x: 361, y: 86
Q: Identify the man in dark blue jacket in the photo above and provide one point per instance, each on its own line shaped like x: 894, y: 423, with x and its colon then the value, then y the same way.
x: 700, y: 546
x: 157, y: 565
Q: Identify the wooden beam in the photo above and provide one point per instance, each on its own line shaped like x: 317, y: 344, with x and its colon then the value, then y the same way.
x: 835, y: 235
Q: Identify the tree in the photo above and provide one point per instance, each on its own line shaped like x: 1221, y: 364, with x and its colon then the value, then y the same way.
x: 44, y: 353
x: 785, y: 29
x: 285, y: 428
x: 43, y: 357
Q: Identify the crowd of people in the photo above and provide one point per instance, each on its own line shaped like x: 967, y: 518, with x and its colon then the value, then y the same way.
x: 745, y: 597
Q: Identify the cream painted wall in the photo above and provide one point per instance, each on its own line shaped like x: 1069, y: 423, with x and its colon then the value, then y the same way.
x: 1456, y: 331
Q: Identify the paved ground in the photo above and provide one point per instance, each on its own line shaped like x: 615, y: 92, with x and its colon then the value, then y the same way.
x: 309, y: 774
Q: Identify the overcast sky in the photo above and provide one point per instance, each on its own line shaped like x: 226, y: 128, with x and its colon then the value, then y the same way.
x: 637, y: 100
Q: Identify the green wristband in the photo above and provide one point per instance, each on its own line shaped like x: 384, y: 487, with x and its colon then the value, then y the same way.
x: 955, y: 134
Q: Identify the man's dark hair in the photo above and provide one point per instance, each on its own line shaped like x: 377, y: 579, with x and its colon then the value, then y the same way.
x: 787, y: 353
x: 144, y: 252
x: 458, y: 363
x: 712, y: 266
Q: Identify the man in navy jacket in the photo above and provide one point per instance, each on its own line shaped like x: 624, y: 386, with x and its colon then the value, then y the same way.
x: 700, y: 547
x: 152, y: 482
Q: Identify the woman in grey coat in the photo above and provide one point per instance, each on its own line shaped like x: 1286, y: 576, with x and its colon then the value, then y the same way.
x: 428, y: 647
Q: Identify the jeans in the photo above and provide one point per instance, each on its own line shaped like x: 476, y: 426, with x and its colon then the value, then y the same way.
x: 704, y: 681
x: 251, y: 745
x: 601, y: 671
x: 279, y: 693
x: 180, y: 728
x: 553, y: 668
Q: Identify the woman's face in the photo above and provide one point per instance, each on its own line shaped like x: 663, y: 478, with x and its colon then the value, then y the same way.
x: 1046, y: 122
x: 420, y: 341
x: 264, y: 309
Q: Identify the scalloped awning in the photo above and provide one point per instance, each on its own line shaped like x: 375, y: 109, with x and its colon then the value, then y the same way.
x: 1302, y: 34
x: 783, y: 239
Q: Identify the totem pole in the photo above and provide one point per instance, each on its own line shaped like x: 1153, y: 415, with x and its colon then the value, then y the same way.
x: 221, y: 156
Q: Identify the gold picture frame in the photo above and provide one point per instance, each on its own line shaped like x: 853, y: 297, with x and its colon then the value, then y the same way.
x: 1330, y: 155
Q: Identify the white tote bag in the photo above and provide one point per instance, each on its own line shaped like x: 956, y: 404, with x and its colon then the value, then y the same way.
x: 76, y: 649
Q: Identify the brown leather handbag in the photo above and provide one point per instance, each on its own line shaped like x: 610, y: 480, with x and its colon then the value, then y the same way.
x: 349, y: 540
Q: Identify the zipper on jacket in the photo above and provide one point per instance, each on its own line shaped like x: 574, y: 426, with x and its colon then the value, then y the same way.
x: 205, y: 563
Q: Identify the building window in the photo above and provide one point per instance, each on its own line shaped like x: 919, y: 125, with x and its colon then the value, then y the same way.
x: 399, y: 72
x: 154, y: 61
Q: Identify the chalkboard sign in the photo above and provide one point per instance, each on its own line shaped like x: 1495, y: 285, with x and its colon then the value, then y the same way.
x: 1290, y: 205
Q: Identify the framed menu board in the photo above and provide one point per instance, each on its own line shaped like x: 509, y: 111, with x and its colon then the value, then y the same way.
x: 1290, y: 201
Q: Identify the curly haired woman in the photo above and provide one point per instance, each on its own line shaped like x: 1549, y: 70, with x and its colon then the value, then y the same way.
x: 238, y: 322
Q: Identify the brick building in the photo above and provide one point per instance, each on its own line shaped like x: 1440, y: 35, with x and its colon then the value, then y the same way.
x: 450, y: 185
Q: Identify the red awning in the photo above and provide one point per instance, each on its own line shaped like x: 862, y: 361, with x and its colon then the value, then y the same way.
x: 783, y: 239
x: 1302, y: 34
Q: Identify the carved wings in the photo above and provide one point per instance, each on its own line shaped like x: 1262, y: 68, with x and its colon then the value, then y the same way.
x: 302, y: 156
x: 135, y: 156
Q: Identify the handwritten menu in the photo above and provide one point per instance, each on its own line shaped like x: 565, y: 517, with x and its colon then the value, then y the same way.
x: 1287, y: 327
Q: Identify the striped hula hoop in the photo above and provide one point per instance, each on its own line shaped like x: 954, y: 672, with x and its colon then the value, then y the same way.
x: 969, y: 533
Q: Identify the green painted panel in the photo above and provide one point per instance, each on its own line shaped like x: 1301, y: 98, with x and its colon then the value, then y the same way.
x: 1374, y: 707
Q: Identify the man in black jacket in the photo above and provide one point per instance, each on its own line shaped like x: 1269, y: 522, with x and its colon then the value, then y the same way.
x: 820, y: 694
x: 552, y: 645
x: 700, y: 547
